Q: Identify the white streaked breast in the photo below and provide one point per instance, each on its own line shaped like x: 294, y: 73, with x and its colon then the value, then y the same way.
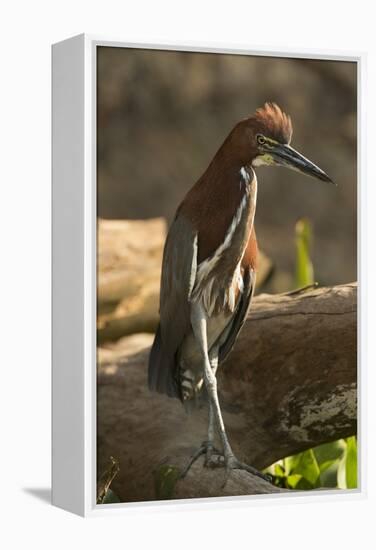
x: 207, y: 265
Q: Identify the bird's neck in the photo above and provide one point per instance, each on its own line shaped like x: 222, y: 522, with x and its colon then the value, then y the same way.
x: 224, y: 169
x: 213, y: 203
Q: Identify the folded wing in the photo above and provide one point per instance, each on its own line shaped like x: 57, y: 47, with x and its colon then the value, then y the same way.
x: 179, y: 268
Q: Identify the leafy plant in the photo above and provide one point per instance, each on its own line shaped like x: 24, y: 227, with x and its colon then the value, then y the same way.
x: 165, y: 479
x: 304, y: 274
x: 348, y: 467
x: 331, y: 465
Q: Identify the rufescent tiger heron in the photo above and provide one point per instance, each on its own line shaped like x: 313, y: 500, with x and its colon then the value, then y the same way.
x: 209, y: 269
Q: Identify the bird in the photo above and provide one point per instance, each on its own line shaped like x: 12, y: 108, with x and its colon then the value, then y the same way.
x: 209, y: 269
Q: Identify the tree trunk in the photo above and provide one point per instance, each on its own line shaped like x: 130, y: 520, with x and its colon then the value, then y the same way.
x: 288, y: 385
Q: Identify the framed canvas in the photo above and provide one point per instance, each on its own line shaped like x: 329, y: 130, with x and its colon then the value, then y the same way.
x: 207, y: 368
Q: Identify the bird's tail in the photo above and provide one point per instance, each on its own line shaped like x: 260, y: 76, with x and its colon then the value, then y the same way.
x: 162, y: 367
x: 164, y: 377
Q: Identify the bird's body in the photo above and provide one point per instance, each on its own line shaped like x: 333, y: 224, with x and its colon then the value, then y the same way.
x: 209, y: 266
x: 226, y: 270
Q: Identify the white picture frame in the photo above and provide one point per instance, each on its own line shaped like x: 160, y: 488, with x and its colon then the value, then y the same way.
x: 74, y: 276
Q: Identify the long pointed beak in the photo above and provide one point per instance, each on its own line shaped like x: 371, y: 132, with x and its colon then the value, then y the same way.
x: 284, y: 155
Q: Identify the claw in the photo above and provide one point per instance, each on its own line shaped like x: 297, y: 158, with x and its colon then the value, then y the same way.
x: 232, y: 463
x: 213, y: 457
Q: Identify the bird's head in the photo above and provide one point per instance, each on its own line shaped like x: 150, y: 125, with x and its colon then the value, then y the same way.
x: 264, y: 140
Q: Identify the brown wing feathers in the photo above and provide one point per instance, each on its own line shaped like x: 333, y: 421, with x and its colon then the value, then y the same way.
x: 178, y: 266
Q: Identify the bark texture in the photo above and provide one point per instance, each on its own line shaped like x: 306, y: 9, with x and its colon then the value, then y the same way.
x: 129, y: 264
x: 289, y: 384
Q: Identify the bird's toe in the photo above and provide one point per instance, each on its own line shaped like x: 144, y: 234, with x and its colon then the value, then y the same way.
x: 232, y: 463
x: 213, y: 457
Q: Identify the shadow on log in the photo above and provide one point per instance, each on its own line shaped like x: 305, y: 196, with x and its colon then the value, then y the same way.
x: 288, y: 385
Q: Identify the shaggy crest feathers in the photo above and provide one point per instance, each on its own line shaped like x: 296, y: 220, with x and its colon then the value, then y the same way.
x: 274, y: 122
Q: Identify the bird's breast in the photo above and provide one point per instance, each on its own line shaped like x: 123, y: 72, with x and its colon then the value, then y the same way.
x: 219, y: 277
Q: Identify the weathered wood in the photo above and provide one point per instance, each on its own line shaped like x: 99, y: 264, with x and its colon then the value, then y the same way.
x: 129, y: 263
x: 129, y: 267
x: 289, y: 384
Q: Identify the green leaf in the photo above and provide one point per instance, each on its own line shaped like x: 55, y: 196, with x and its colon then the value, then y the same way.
x: 279, y: 470
x: 328, y: 473
x: 347, y: 469
x: 165, y: 479
x: 291, y: 462
x: 351, y: 463
x: 304, y: 485
x: 276, y: 469
x: 308, y: 467
x: 293, y: 480
x: 341, y: 474
x: 328, y: 464
x: 304, y: 269
x: 329, y: 451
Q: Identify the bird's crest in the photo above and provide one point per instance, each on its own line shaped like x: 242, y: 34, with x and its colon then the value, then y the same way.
x: 274, y: 122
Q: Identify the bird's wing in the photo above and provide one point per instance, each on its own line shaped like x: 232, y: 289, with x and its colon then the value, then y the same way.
x: 249, y: 282
x: 178, y: 277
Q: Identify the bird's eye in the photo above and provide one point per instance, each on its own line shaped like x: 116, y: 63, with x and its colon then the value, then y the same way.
x: 260, y: 139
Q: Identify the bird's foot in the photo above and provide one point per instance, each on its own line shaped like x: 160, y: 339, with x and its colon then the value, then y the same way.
x: 232, y: 463
x: 213, y: 457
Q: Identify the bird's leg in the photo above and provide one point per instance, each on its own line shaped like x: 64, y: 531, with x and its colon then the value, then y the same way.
x: 213, y: 457
x: 199, y: 325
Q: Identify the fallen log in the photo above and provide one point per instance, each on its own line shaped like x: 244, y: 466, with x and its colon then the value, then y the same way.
x: 129, y: 263
x: 288, y: 385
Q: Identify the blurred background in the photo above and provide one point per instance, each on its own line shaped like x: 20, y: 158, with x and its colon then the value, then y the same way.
x: 162, y: 116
